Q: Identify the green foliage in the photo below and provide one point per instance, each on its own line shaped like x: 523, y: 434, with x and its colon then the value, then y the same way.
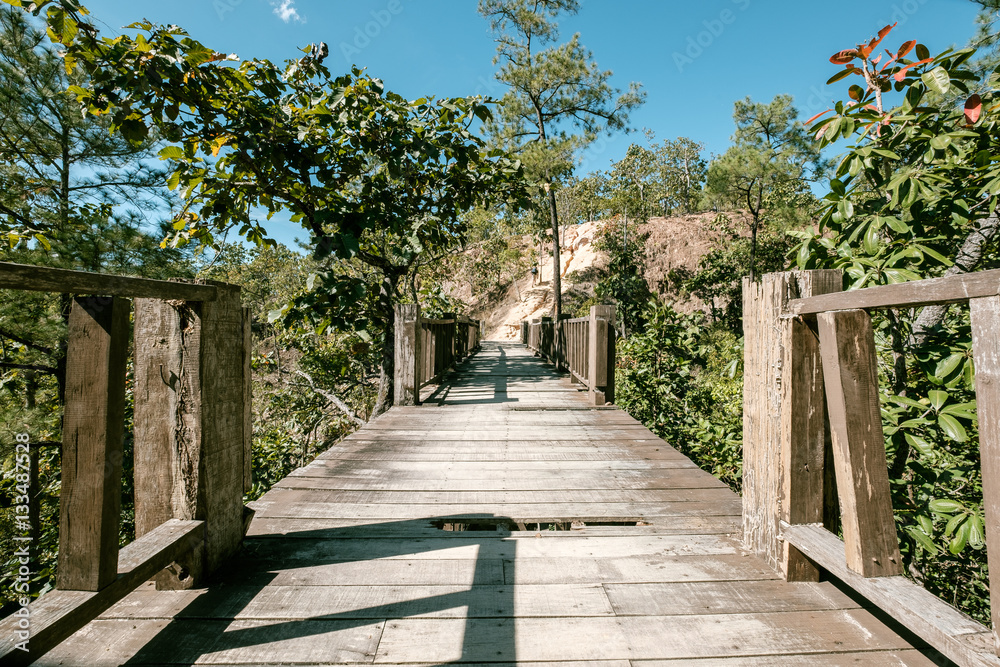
x: 771, y: 153
x: 914, y: 197
x: 680, y: 378
x: 624, y: 283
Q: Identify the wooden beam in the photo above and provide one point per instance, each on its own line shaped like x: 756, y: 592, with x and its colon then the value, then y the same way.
x: 409, y: 356
x: 601, y: 353
x: 804, y: 427
x: 58, y: 614
x: 985, y: 314
x: 783, y: 416
x: 850, y: 374
x: 93, y: 424
x: 45, y: 279
x: 951, y: 289
x: 945, y: 628
x: 190, y: 444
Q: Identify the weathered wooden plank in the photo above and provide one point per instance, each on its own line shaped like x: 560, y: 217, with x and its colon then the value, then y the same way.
x: 285, y: 494
x: 900, y: 658
x: 93, y: 423
x: 167, y: 424
x: 309, y: 528
x: 781, y: 408
x: 113, y: 642
x: 547, y: 512
x: 948, y: 630
x: 409, y: 362
x: 950, y: 289
x: 47, y: 279
x: 851, y: 378
x: 631, y: 570
x: 724, y: 597
x: 485, y: 544
x: 985, y: 314
x: 58, y: 614
x: 321, y: 477
x: 245, y: 602
x: 247, y: 401
x: 642, y: 638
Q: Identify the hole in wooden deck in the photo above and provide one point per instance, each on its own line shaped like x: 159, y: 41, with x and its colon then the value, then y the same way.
x: 513, y: 525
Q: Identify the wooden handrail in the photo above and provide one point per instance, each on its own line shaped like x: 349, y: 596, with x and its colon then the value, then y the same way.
x: 951, y: 289
x: 811, y: 402
x: 46, y: 279
x: 583, y: 346
x: 426, y: 349
x: 192, y: 404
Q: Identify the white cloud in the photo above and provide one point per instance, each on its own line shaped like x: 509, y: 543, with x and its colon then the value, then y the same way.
x: 286, y: 12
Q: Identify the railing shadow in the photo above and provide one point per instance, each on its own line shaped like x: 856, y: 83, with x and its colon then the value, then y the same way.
x: 193, y: 633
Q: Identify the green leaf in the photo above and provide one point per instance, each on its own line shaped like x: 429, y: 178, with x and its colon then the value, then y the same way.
x: 952, y: 428
x: 919, y: 444
x: 977, y: 532
x: 937, y: 398
x: 171, y: 153
x: 922, y: 540
x: 937, y: 80
x: 945, y: 506
x: 960, y: 540
x: 947, y: 366
x: 274, y: 315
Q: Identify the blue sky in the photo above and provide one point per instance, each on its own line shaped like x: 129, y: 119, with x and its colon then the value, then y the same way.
x: 693, y: 58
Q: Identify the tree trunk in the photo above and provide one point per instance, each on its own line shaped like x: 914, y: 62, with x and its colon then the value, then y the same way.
x: 387, y: 367
x: 968, y: 257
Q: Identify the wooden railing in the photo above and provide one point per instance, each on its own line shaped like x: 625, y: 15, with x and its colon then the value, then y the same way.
x: 427, y: 349
x: 813, y: 441
x: 191, y: 443
x: 584, y: 346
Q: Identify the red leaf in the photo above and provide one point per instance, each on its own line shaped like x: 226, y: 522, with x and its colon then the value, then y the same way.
x: 856, y: 92
x: 844, y: 57
x: 901, y: 74
x: 973, y: 108
x: 905, y: 48
x: 881, y: 35
x: 809, y: 122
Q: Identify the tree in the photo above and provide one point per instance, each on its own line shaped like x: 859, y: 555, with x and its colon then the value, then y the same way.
x: 916, y: 195
x: 375, y: 180
x: 770, y: 151
x: 81, y: 194
x: 62, y: 173
x: 552, y: 92
x: 681, y: 170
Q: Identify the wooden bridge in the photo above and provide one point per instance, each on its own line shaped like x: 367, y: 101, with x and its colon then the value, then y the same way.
x: 513, y: 517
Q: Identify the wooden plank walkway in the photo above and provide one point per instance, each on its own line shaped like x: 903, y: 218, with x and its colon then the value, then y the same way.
x: 586, y: 541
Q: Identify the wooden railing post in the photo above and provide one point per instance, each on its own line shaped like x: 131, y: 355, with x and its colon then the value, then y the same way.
x: 190, y: 423
x: 985, y: 313
x: 93, y: 421
x: 409, y: 357
x: 851, y: 378
x: 784, y: 419
x: 601, y: 363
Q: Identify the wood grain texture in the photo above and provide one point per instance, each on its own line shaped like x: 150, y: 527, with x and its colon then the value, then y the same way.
x: 851, y: 377
x: 950, y: 289
x: 782, y: 408
x: 409, y: 361
x: 985, y: 313
x: 348, y: 562
x: 46, y: 279
x: 58, y: 614
x: 93, y: 424
x: 950, y: 631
